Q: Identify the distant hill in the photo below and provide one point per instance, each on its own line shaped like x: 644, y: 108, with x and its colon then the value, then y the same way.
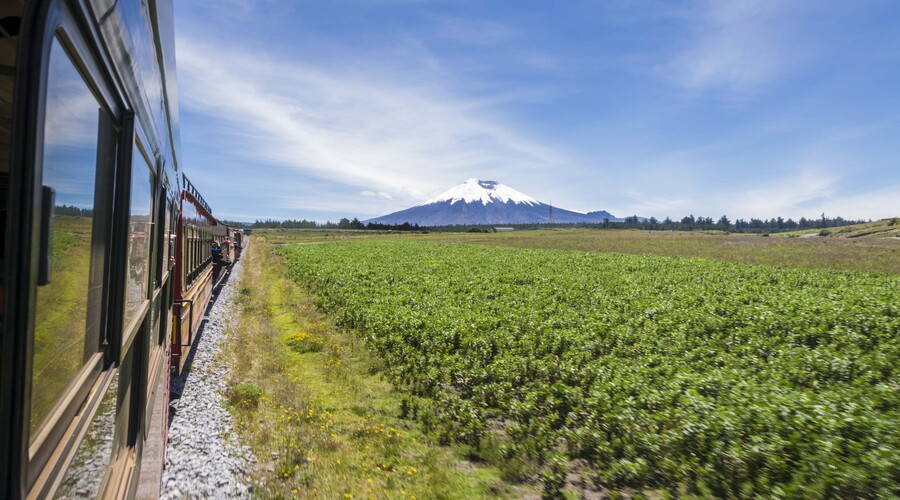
x: 884, y: 228
x: 477, y: 202
x: 603, y: 214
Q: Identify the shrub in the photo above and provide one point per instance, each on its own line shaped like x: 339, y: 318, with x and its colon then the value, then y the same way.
x: 245, y: 395
x: 303, y: 342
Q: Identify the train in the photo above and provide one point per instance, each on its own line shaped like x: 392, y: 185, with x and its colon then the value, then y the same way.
x: 109, y: 253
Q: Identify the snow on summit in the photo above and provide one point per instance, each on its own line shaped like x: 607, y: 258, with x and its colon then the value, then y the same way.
x: 486, y: 192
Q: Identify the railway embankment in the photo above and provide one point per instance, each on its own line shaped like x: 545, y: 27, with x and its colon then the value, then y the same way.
x: 203, y: 456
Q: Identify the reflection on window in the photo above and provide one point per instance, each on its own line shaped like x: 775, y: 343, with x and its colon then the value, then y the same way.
x: 67, y: 315
x: 85, y: 476
x: 167, y: 236
x: 139, y: 236
x: 154, y: 322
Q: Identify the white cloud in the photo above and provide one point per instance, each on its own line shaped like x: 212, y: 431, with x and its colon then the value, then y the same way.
x: 738, y: 45
x: 807, y: 193
x: 356, y: 127
x: 380, y: 195
x: 879, y: 204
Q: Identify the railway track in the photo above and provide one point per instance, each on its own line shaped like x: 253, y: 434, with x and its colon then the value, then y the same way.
x: 203, y: 458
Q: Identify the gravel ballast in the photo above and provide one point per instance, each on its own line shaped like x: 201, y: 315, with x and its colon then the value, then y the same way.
x: 203, y: 457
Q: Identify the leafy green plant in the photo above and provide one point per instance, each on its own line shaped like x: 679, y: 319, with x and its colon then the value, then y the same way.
x: 711, y: 378
x: 553, y: 478
x: 303, y: 342
x: 245, y: 395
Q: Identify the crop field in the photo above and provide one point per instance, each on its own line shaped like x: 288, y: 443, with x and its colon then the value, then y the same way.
x: 614, y: 372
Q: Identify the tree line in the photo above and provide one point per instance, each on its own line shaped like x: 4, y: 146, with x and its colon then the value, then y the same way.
x: 687, y: 223
x: 723, y: 223
x: 344, y: 223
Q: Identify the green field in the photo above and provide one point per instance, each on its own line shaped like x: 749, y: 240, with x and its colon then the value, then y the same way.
x: 881, y: 254
x: 613, y: 372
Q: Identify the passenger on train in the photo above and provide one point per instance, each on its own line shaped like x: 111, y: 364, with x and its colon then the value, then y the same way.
x: 216, y: 252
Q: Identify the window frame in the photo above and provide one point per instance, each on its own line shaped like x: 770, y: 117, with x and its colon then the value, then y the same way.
x: 137, y: 153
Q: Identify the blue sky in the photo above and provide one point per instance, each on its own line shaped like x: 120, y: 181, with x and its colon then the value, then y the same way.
x: 352, y: 108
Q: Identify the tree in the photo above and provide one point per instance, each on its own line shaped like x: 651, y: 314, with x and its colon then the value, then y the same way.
x: 724, y: 223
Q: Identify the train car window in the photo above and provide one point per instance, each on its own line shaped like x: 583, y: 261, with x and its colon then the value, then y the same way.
x: 183, y: 256
x: 162, y: 235
x: 78, y: 160
x: 139, y: 223
x: 154, y: 343
x: 170, y: 230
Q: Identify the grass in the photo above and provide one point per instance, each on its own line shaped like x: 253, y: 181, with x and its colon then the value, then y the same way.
x: 311, y: 402
x: 877, y: 254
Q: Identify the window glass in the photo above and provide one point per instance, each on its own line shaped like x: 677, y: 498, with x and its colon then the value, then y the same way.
x: 173, y: 224
x: 139, y: 219
x: 154, y: 322
x: 79, y: 149
x: 169, y: 237
x: 84, y: 477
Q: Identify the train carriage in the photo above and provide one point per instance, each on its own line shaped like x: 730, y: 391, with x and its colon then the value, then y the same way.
x: 91, y: 198
x: 195, y: 271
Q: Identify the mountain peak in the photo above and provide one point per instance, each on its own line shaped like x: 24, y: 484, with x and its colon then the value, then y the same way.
x: 475, y: 190
x: 477, y: 202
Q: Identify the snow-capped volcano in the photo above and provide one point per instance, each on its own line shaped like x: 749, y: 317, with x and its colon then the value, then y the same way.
x: 474, y: 190
x: 477, y: 202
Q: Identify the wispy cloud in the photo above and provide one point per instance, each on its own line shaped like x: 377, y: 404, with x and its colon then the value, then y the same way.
x: 737, y: 45
x: 807, y: 192
x: 380, y: 194
x: 356, y: 127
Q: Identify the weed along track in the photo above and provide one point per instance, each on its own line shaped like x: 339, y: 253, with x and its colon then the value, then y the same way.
x: 312, y: 402
x: 613, y: 372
